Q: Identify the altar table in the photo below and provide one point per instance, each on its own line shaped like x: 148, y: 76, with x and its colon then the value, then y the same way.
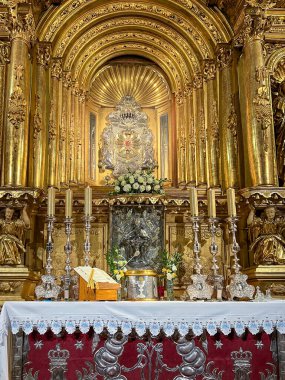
x: 145, y: 340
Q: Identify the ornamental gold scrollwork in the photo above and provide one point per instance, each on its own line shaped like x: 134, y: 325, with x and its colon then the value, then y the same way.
x: 21, y: 26
x: 209, y: 69
x: 67, y: 79
x: 232, y: 124
x: 17, y: 105
x: 202, y: 133
x: 138, y: 7
x: 140, y: 36
x: 214, y: 129
x: 43, y: 55
x: 263, y: 113
x: 56, y: 68
x: 37, y: 129
x: 5, y: 51
x: 198, y: 81
x: 163, y: 29
x: 224, y: 56
x: 51, y: 125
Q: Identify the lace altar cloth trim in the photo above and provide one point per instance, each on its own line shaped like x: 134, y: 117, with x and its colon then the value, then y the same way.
x: 155, y: 316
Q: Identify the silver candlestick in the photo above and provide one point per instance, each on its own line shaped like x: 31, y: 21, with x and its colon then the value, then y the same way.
x: 68, y: 250
x: 48, y: 289
x: 87, y: 245
x: 216, y: 278
x: 200, y: 289
x: 238, y: 287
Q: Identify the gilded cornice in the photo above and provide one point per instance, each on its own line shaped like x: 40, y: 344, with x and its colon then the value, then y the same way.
x: 18, y: 197
x: 264, y: 196
x: 161, y: 31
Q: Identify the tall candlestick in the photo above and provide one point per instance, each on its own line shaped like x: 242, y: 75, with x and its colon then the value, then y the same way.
x: 68, y: 203
x: 231, y: 202
x: 211, y: 203
x: 193, y: 201
x: 88, y: 201
x: 51, y: 201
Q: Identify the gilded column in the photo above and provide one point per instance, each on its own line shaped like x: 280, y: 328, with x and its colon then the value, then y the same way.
x: 77, y: 131
x: 4, y: 60
x: 72, y: 174
x: 255, y: 100
x: 39, y: 117
x: 181, y: 139
x: 200, y: 128
x: 64, y: 129
x: 212, y: 123
x: 16, y: 136
x: 191, y: 175
x: 81, y: 129
x: 53, y: 125
x: 228, y: 108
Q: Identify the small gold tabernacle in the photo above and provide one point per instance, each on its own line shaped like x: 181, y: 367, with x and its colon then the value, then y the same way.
x: 141, y: 285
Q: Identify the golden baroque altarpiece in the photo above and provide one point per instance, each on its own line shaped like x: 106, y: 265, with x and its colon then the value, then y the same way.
x: 208, y: 75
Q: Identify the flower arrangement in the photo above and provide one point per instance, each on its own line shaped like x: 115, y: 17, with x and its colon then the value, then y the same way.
x: 141, y: 181
x: 116, y: 263
x: 170, y: 264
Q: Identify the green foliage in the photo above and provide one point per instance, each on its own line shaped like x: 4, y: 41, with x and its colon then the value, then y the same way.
x: 116, y: 263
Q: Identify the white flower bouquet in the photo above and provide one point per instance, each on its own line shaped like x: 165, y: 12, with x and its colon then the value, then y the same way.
x: 141, y: 181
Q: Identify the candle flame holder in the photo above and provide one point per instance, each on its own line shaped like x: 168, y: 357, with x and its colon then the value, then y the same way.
x: 238, y: 287
x: 48, y: 289
x: 200, y: 289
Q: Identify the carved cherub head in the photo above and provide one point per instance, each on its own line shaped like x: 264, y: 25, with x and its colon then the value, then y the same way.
x: 270, y: 213
x: 9, y: 212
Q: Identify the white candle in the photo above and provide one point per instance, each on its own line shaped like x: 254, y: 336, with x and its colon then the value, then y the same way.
x: 51, y: 201
x: 231, y: 198
x: 68, y: 203
x: 211, y: 203
x: 88, y: 201
x: 193, y: 201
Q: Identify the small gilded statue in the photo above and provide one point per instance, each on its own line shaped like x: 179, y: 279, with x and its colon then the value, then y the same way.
x: 266, y: 234
x: 11, y: 235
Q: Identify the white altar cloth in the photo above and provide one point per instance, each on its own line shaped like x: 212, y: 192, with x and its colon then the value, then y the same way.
x: 143, y: 315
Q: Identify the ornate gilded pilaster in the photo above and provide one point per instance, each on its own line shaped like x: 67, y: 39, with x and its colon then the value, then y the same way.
x: 72, y: 137
x: 39, y: 116
x: 199, y: 118
x: 181, y: 139
x: 212, y: 123
x: 64, y: 129
x: 228, y: 117
x: 80, y: 139
x: 191, y: 174
x: 21, y: 27
x: 255, y: 99
x: 53, y: 125
x: 4, y: 60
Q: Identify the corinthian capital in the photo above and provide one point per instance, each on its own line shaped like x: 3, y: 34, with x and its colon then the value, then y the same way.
x: 56, y: 68
x: 44, y: 54
x: 21, y: 26
x: 224, y: 55
x: 209, y: 69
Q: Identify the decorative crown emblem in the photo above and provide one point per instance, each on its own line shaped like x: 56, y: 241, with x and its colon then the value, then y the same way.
x: 241, y: 357
x: 58, y: 357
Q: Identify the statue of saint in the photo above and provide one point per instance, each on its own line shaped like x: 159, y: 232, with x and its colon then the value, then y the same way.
x: 11, y: 235
x: 279, y: 126
x: 266, y: 234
